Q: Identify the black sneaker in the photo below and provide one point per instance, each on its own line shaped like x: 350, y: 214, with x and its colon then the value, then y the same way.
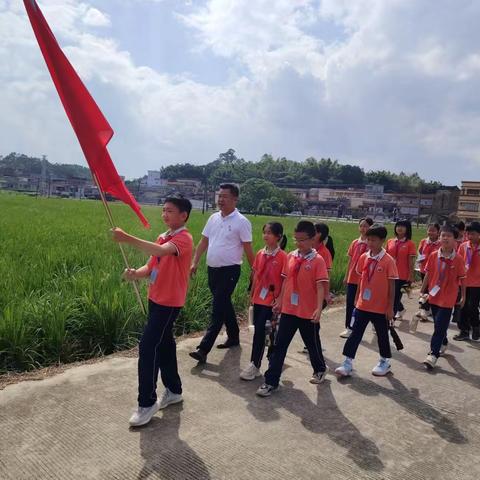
x: 199, y: 355
x: 476, y: 335
x: 462, y: 337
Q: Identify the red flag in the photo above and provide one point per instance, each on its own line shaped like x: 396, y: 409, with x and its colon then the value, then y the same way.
x: 91, y: 127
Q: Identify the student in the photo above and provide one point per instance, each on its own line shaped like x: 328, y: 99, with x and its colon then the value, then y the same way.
x: 373, y: 303
x: 403, y: 251
x: 444, y: 271
x: 266, y: 287
x: 168, y: 270
x: 469, y: 318
x: 300, y: 304
x: 427, y: 246
x: 357, y: 248
x: 321, y: 236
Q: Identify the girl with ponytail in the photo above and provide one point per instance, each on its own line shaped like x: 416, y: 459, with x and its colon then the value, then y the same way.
x: 266, y: 287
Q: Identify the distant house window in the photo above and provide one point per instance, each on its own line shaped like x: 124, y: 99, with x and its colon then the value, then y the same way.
x: 469, y: 206
x: 473, y: 192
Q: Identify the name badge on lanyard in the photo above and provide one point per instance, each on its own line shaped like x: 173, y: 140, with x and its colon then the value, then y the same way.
x: 294, y: 299
x: 441, y: 277
x: 367, y: 294
x: 153, y: 276
x: 263, y: 293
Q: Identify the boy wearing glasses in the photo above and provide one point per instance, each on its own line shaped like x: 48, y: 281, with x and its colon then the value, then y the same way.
x: 300, y: 303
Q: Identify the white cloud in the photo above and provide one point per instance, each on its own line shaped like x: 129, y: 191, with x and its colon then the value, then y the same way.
x: 381, y: 84
x: 96, y: 18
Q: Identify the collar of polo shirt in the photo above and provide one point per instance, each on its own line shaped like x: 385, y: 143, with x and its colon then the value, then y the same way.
x: 448, y: 257
x: 230, y: 215
x: 378, y: 256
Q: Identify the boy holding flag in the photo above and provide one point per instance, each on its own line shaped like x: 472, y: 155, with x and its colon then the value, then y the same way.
x: 168, y: 270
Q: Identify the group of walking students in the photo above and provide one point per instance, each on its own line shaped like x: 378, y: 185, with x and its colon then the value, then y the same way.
x: 294, y: 288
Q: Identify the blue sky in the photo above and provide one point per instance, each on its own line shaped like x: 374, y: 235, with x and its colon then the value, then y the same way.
x: 380, y: 84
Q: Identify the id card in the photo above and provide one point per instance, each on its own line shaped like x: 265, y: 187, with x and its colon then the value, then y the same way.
x: 263, y: 293
x: 434, y: 290
x: 153, y: 276
x: 367, y: 294
x: 294, y: 299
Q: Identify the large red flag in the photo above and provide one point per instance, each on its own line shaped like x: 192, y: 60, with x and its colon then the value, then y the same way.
x: 91, y: 127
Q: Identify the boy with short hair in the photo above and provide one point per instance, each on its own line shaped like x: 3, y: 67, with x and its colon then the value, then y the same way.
x: 374, y: 302
x: 469, y: 317
x: 168, y: 269
x: 300, y: 303
x: 444, y: 272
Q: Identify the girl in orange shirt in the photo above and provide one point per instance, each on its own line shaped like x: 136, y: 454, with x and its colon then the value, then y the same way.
x: 403, y: 250
x: 266, y: 287
x: 352, y: 279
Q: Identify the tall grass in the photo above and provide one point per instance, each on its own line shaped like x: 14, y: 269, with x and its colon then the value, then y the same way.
x: 61, y: 296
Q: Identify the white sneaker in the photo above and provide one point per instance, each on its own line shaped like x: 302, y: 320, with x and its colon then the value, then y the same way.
x: 319, y: 377
x: 382, y: 368
x: 169, y: 398
x: 430, y: 361
x: 443, y: 349
x: 250, y: 373
x: 422, y: 315
x: 265, y: 390
x: 143, y: 415
x: 414, y: 323
x: 346, y: 333
x: 345, y: 369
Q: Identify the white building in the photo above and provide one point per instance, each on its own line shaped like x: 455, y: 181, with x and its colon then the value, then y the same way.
x: 154, y: 179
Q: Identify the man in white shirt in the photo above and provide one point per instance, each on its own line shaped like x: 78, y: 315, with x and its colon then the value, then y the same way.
x: 226, y: 236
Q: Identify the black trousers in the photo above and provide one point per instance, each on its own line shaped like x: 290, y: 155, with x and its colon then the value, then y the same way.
x: 261, y: 313
x: 350, y: 301
x: 287, y: 328
x: 222, y: 282
x: 397, y: 303
x: 158, y: 352
x: 380, y: 323
x: 469, y: 317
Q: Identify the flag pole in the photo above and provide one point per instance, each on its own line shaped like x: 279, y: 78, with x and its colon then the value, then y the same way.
x: 125, y: 260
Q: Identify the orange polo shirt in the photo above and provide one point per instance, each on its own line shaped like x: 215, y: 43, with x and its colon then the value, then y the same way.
x: 426, y: 248
x: 312, y: 270
x: 471, y: 257
x: 324, y: 252
x: 375, y: 273
x: 356, y: 250
x: 446, y: 272
x: 401, y: 251
x: 268, y: 270
x: 173, y: 271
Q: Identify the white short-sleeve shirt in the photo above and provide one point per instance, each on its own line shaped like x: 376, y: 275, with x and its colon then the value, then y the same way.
x: 226, y: 236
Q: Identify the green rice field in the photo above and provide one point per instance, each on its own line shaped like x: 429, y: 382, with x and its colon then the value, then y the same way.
x: 61, y: 295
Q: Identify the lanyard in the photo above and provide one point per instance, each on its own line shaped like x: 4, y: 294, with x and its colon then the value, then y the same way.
x: 166, y: 237
x: 360, y: 249
x: 370, y: 268
x: 442, y: 264
x: 298, y: 265
x: 265, y: 272
x: 470, y: 255
x: 397, y: 246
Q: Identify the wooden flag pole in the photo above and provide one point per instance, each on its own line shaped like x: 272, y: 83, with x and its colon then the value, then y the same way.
x: 112, y: 223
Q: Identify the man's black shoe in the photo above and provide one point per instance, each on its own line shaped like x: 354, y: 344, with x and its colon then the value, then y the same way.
x: 229, y: 344
x: 475, y: 334
x: 462, y: 336
x: 199, y: 355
